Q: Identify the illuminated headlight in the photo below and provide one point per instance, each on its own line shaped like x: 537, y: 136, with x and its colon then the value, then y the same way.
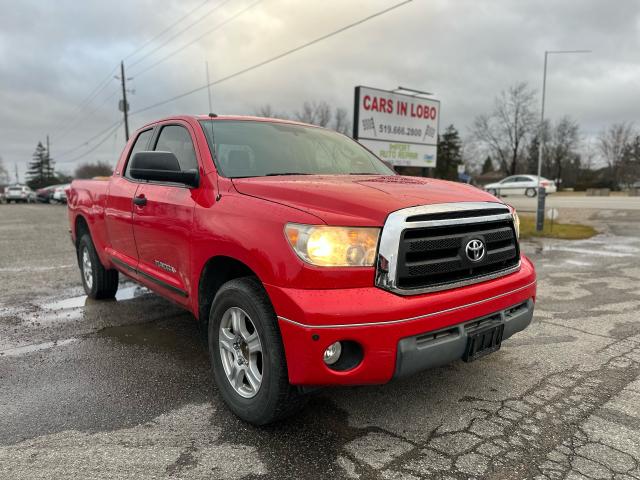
x: 334, y: 246
x: 516, y: 223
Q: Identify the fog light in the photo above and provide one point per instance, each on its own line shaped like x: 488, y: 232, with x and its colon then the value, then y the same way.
x: 332, y: 353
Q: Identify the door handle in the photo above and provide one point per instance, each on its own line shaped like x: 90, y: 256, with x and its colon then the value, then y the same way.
x: 140, y: 200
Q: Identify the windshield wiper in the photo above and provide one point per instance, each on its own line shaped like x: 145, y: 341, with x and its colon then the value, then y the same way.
x: 286, y: 173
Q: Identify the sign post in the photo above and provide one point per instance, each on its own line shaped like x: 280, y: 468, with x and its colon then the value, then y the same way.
x: 399, y: 128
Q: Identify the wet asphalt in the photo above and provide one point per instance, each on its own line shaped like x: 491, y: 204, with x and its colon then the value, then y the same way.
x: 122, y: 389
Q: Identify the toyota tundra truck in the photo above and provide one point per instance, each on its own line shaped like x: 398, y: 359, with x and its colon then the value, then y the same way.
x: 306, y: 260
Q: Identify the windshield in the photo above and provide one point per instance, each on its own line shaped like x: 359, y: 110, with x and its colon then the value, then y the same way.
x: 257, y: 149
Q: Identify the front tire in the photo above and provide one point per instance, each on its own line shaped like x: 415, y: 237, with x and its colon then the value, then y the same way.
x: 247, y: 355
x: 530, y: 192
x: 98, y: 282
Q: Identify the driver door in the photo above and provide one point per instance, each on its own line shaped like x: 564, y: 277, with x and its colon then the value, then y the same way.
x: 163, y: 218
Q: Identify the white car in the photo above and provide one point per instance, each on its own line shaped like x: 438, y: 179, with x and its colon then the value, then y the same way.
x: 19, y: 193
x: 520, y: 185
x: 60, y: 193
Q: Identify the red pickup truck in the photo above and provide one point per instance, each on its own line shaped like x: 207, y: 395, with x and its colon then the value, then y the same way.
x: 307, y: 261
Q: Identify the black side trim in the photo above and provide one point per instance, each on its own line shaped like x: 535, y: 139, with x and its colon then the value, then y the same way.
x: 155, y: 280
x: 117, y: 261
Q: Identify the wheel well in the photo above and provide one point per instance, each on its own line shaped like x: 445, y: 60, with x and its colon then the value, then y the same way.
x: 82, y: 227
x: 216, y: 272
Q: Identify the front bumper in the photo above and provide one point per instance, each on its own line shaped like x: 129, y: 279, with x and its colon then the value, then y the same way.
x: 435, y: 349
x: 384, y: 324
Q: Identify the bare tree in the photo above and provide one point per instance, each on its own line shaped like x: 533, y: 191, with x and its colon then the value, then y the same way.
x: 268, y: 111
x: 630, y: 169
x: 561, y: 149
x: 613, y: 144
x: 505, y: 131
x: 315, y: 113
x: 341, y: 122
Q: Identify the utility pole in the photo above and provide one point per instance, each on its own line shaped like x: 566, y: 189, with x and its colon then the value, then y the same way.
x: 17, y: 177
x: 541, y: 190
x: 125, y: 105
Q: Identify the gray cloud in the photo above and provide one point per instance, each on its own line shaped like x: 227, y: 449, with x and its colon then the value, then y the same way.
x: 52, y: 54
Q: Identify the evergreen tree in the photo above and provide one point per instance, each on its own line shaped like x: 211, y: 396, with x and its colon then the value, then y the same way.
x: 449, y: 154
x: 487, y: 166
x: 40, y: 172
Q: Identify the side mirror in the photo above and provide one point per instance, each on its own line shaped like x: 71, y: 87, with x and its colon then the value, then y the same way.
x: 161, y: 167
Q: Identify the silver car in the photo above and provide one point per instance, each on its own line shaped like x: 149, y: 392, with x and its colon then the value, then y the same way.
x: 19, y: 193
x: 520, y: 185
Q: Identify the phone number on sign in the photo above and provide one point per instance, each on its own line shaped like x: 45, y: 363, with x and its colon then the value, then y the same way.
x: 400, y: 130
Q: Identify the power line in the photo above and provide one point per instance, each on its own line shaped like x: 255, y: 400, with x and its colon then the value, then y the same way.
x: 208, y: 32
x: 155, y: 37
x: 92, y: 149
x: 90, y: 139
x: 89, y: 98
x: 105, y: 82
x: 273, y: 59
x: 90, y: 112
x: 177, y: 34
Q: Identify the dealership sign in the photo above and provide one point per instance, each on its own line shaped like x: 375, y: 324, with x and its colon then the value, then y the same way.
x: 401, y: 129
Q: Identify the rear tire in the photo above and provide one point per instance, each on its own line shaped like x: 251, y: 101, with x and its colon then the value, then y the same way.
x: 98, y: 282
x: 530, y: 192
x: 241, y: 310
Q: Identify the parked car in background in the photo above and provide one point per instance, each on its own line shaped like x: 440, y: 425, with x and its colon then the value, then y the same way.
x: 60, y: 193
x: 19, y: 193
x: 44, y: 195
x: 520, y: 185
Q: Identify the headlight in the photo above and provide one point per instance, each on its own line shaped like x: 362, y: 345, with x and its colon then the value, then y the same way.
x: 516, y: 223
x: 333, y: 246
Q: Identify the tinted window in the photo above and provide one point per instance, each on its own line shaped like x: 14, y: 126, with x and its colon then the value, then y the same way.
x: 256, y: 149
x: 176, y: 139
x: 139, y: 146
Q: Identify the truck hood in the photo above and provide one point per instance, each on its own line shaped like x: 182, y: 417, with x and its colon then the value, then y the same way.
x: 357, y: 200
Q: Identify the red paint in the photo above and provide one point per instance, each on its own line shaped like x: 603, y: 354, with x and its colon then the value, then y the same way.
x: 244, y: 219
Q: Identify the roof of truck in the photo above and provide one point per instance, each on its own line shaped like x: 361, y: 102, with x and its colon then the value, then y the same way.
x: 228, y: 117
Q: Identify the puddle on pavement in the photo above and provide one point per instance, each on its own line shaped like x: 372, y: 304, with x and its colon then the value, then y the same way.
x: 74, y: 308
x: 36, y: 347
x: 126, y: 293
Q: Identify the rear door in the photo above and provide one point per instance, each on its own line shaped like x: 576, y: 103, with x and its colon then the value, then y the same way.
x: 119, y: 210
x: 163, y: 218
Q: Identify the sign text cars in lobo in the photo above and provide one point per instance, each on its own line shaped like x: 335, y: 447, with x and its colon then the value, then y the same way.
x: 401, y: 129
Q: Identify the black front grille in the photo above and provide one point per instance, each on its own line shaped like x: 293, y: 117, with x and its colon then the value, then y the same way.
x: 435, y: 256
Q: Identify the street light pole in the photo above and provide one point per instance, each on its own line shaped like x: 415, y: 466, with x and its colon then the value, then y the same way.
x: 542, y: 190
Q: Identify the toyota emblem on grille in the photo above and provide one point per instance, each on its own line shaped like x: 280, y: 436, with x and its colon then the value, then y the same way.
x: 475, y: 250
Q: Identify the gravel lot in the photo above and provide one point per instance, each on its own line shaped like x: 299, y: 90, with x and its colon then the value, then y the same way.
x: 122, y: 389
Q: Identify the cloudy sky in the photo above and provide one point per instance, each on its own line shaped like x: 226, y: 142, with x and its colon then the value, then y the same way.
x: 55, y: 54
